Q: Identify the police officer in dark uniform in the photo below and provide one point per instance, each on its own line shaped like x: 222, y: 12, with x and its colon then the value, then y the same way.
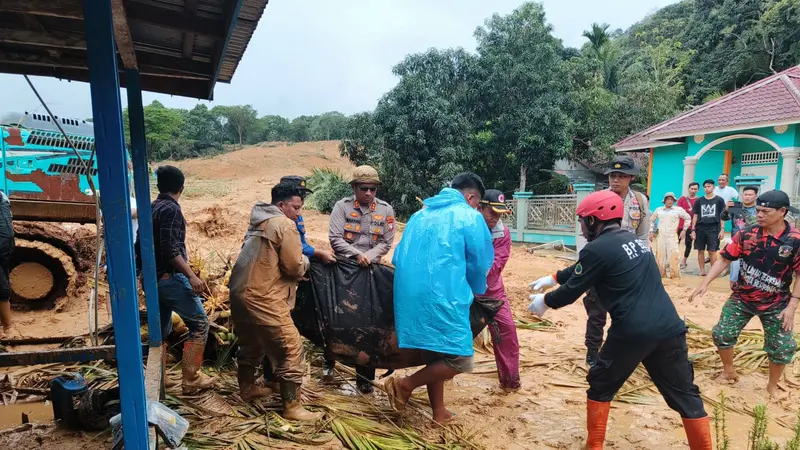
x: 645, y: 327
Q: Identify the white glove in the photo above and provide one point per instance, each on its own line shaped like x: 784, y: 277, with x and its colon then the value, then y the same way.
x: 537, y: 305
x: 543, y: 283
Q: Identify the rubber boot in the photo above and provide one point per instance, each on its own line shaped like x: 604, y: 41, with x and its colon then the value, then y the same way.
x: 248, y: 389
x: 698, y: 433
x: 292, y: 409
x: 596, y: 420
x: 193, y: 379
x: 327, y: 370
x: 5, y: 319
x: 168, y: 383
x: 364, y: 377
x: 591, y: 356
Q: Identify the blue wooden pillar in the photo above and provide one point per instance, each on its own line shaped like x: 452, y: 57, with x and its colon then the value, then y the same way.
x: 115, y: 203
x: 141, y: 180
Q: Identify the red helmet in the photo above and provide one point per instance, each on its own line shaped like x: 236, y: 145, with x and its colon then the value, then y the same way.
x: 604, y: 205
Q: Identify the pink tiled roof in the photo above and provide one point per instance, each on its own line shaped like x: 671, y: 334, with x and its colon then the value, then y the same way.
x: 773, y: 100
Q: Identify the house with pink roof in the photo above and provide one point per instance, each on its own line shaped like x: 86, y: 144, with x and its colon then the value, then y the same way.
x: 752, y: 134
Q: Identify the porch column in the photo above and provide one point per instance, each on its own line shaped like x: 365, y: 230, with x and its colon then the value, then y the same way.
x: 115, y: 205
x: 689, y: 165
x: 789, y: 157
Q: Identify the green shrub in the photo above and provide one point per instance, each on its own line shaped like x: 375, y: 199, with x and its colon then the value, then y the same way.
x: 329, y: 187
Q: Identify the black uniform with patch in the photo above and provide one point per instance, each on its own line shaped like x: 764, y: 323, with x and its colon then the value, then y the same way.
x: 645, y: 327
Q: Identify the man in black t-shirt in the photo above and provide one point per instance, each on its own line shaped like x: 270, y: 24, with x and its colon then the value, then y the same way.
x: 645, y: 327
x: 707, y: 226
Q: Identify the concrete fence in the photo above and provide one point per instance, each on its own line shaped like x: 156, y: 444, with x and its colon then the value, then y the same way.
x: 540, y: 219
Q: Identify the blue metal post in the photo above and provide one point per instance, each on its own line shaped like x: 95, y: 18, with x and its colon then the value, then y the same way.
x: 115, y: 203
x: 141, y: 180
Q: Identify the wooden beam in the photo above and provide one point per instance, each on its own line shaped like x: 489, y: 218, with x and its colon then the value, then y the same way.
x: 52, y: 39
x: 178, y: 20
x: 230, y: 12
x: 70, y: 9
x: 122, y: 35
x: 188, y: 37
x: 176, y: 65
x: 164, y: 83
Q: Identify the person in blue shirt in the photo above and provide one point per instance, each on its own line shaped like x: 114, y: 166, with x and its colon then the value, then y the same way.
x: 311, y: 252
x: 440, y: 264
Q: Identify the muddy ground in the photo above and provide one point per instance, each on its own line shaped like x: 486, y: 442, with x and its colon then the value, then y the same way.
x: 218, y: 197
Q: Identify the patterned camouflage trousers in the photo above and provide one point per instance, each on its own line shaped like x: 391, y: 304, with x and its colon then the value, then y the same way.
x: 779, y: 344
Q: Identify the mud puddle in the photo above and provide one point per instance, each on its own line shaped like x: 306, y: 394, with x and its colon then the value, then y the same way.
x: 12, y: 415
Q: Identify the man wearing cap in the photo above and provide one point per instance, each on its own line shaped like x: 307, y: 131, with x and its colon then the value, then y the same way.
x: 504, y: 335
x: 769, y: 255
x: 667, y: 218
x: 323, y: 255
x: 620, y: 173
x: 362, y: 228
x: 741, y: 215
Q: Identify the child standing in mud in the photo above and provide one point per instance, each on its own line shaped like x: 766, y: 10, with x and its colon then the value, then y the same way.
x: 769, y: 257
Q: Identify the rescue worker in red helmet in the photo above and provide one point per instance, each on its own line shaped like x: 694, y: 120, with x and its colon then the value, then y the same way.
x: 645, y: 327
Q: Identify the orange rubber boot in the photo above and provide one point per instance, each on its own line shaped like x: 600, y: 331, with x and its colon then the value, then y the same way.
x: 698, y: 433
x: 596, y: 420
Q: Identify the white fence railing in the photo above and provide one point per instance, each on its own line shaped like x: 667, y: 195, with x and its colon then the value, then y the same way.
x: 552, y: 212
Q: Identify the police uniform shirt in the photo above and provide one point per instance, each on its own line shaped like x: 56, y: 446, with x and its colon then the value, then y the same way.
x: 628, y: 285
x: 637, y: 217
x: 362, y: 229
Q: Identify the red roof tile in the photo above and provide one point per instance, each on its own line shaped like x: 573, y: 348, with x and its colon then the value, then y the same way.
x: 773, y: 100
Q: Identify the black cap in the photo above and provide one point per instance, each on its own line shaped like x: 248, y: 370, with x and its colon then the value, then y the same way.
x: 623, y: 164
x: 496, y: 200
x: 776, y: 199
x: 298, y: 181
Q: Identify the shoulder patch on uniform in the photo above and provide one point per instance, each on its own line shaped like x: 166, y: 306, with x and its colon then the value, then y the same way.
x: 578, y: 269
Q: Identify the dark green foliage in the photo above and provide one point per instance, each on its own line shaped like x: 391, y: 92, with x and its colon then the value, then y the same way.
x: 329, y: 187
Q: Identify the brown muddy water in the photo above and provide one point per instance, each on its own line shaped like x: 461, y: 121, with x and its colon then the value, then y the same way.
x: 11, y: 416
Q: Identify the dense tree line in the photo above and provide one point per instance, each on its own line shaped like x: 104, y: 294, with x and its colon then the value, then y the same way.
x: 523, y: 100
x: 173, y: 133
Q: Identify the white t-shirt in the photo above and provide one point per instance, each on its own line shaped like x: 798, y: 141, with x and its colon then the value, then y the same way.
x: 135, y: 220
x: 727, y: 193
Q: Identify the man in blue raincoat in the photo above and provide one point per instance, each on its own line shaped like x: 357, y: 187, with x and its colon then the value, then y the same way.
x: 441, y: 263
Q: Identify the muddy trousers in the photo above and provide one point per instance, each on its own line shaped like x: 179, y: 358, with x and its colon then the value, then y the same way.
x: 667, y: 363
x: 506, y: 347
x: 668, y: 254
x: 596, y: 320
x: 280, y: 344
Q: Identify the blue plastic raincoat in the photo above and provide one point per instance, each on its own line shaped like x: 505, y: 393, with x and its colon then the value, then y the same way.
x: 443, y: 258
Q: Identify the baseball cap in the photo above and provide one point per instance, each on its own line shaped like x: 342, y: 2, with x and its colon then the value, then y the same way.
x: 298, y: 182
x: 776, y: 199
x: 623, y: 164
x: 496, y: 200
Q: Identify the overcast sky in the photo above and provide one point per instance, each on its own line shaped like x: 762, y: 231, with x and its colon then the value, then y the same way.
x: 313, y: 56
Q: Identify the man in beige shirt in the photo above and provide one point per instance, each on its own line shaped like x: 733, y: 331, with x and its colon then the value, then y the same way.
x: 361, y: 228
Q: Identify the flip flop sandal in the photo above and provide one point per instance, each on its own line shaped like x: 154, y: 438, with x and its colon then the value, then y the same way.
x: 394, y: 395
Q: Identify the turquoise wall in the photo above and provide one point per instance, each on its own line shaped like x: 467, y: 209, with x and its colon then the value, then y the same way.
x: 667, y: 173
x: 668, y: 161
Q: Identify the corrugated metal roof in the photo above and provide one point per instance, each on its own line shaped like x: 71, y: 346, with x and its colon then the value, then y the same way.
x: 181, y: 47
x: 774, y: 100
